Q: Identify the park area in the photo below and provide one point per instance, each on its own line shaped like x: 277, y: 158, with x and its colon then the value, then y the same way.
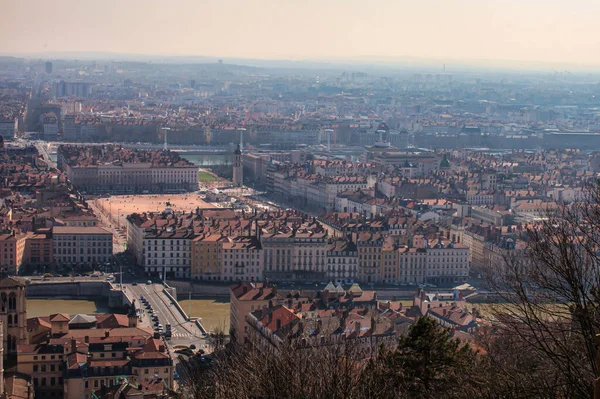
x: 206, y: 177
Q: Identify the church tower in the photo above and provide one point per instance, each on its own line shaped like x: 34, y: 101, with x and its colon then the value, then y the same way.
x: 238, y: 172
x: 13, y: 314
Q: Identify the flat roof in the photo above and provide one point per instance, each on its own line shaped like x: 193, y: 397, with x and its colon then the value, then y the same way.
x: 79, y: 230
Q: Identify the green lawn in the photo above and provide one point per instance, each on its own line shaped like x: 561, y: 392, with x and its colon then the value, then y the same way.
x: 205, y: 177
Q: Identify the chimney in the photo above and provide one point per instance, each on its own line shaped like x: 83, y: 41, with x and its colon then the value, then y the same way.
x: 357, y: 327
x: 106, y: 334
x: 73, y: 346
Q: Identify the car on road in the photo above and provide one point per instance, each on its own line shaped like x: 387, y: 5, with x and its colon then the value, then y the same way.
x: 148, y: 282
x: 134, y: 284
x: 156, y: 323
x: 192, y: 346
x: 185, y: 351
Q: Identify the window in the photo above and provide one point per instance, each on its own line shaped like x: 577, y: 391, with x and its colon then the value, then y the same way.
x: 87, y: 384
x: 35, y: 368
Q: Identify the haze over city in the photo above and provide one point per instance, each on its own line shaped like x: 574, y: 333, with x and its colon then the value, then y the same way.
x: 299, y: 199
x: 535, y: 31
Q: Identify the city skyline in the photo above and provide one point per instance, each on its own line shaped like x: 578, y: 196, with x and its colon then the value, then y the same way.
x: 492, y: 32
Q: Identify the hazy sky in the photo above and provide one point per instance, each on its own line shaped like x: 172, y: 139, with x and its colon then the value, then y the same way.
x: 534, y: 30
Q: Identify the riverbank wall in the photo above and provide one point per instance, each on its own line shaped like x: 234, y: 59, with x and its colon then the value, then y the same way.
x: 80, y: 290
x: 203, y: 289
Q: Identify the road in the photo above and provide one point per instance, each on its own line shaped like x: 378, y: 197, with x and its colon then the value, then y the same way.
x: 119, y: 235
x: 183, y: 332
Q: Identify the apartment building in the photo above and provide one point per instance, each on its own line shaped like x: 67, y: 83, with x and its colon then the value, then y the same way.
x: 81, y: 245
x: 337, y: 167
x: 244, y: 298
x: 242, y: 259
x: 44, y: 364
x: 342, y: 261
x: 110, y: 169
x: 12, y: 248
x: 389, y: 261
x: 8, y: 127
x: 412, y: 266
x: 335, y: 316
x: 296, y: 254
x: 207, y: 256
x: 447, y: 262
x: 38, y: 249
x: 75, y: 363
x: 168, y: 252
x: 369, y: 257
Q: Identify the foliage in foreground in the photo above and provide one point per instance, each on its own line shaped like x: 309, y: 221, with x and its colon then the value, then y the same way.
x: 427, y: 363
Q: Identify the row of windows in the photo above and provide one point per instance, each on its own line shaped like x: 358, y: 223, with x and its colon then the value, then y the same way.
x: 86, y: 237
x: 104, y: 243
x: 163, y: 255
x: 171, y: 262
x: 41, y: 382
x: 90, y: 251
x: 43, y: 367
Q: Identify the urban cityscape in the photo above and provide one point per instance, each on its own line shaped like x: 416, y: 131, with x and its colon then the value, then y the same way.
x: 229, y: 227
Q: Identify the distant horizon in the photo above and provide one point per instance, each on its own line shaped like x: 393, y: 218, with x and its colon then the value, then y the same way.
x: 540, y: 34
x: 382, y: 61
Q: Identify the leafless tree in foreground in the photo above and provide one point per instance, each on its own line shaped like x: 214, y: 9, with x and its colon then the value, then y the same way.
x: 542, y: 344
x: 428, y: 363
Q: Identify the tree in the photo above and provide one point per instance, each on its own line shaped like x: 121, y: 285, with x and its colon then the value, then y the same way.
x: 550, y: 310
x: 428, y: 363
